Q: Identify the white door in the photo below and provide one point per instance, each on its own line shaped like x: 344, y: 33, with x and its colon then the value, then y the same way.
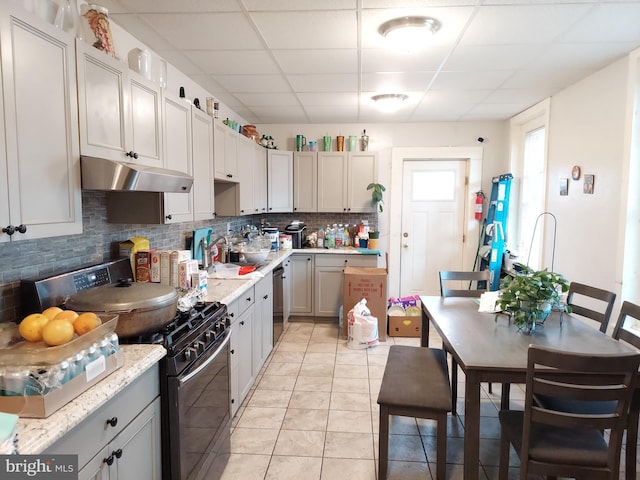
x: 433, y: 206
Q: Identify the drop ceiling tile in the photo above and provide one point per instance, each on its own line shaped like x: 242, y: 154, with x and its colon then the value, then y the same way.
x: 396, y: 82
x: 323, y: 83
x: 206, y: 31
x: 416, y: 3
x: 280, y: 5
x: 471, y: 80
x: 608, y: 22
x: 491, y: 57
x: 280, y: 115
x: 317, y: 61
x: 552, y: 80
x: 578, y: 56
x: 253, y: 83
x: 521, y: 24
x: 171, y: 6
x: 181, y: 62
x: 307, y: 30
x: 327, y: 99
x: 206, y: 82
x: 143, y: 32
x: 516, y: 96
x: 273, y: 100
x: 332, y: 114
x: 384, y: 60
x: 493, y: 111
x: 456, y: 96
x: 240, y: 62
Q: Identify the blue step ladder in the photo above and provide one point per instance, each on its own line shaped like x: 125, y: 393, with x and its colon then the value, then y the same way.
x: 495, y: 228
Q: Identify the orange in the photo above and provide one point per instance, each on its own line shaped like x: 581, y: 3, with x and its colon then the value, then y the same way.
x: 57, y: 332
x: 68, y: 315
x: 86, y: 322
x: 31, y: 326
x: 51, y: 312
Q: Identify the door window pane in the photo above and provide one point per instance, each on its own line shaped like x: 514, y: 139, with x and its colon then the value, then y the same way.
x: 433, y: 186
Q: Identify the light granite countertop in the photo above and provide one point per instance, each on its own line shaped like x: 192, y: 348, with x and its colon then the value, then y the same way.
x: 37, y: 434
x: 225, y: 290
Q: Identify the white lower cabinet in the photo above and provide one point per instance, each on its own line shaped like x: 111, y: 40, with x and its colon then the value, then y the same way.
x: 122, y: 439
x: 317, y: 281
x: 263, y: 325
x: 302, y: 284
x: 251, y: 337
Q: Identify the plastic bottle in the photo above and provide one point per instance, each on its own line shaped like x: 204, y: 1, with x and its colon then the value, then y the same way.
x: 330, y: 237
x: 339, y: 235
x: 321, y: 238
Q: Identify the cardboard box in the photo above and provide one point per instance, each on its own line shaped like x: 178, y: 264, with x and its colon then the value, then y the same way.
x: 41, y: 406
x: 369, y: 283
x: 405, y: 326
x: 129, y: 248
x: 185, y: 270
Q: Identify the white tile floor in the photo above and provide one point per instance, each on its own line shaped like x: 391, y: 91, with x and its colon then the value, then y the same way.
x: 312, y: 415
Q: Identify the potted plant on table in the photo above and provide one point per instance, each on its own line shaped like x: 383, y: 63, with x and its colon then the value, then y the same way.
x: 530, y: 295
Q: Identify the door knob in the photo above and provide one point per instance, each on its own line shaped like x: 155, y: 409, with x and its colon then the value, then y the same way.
x: 405, y: 245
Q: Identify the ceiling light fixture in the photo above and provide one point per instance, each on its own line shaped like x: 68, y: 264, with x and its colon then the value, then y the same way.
x: 389, y: 102
x: 409, y: 34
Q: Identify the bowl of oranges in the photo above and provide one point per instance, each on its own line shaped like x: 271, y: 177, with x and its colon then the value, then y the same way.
x: 52, y: 335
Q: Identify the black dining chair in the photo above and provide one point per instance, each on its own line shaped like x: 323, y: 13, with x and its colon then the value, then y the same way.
x: 450, y: 289
x: 622, y: 331
x: 553, y: 442
x: 591, y: 302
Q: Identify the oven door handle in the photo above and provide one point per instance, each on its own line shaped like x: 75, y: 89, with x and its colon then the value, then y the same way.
x: 207, y: 362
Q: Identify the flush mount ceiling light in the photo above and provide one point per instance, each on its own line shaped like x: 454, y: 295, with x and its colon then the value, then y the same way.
x: 409, y: 34
x: 389, y: 102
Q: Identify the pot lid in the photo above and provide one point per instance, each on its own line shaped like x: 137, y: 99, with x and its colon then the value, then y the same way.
x: 123, y: 296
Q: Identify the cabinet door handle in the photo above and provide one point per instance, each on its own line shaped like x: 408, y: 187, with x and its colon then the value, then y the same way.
x: 108, y: 460
x: 242, y: 322
x: 233, y: 351
x: 22, y: 228
x: 168, y: 217
x: 9, y: 230
x: 118, y: 453
x: 132, y: 154
x: 265, y: 297
x: 232, y: 315
x: 229, y: 175
x: 113, y: 421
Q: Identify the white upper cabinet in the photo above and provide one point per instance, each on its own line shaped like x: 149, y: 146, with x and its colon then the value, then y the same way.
x: 202, y: 148
x: 343, y: 178
x: 178, y: 207
x: 39, y: 152
x: 120, y: 110
x: 279, y: 181
x: 225, y: 152
x: 305, y: 182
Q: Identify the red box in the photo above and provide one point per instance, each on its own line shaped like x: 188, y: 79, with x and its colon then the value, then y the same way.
x: 143, y: 266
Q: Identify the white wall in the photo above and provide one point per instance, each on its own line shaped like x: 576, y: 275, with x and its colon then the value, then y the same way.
x: 587, y: 128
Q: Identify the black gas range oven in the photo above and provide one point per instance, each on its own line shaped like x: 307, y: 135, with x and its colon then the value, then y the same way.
x: 194, y: 375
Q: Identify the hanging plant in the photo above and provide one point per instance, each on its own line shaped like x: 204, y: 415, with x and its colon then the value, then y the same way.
x: 376, y: 195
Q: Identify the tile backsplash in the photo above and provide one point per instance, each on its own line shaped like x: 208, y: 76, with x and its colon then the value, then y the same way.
x: 99, y: 242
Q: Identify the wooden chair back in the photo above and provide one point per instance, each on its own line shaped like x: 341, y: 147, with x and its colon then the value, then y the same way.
x: 579, y: 304
x: 470, y: 278
x: 629, y: 311
x: 572, y: 377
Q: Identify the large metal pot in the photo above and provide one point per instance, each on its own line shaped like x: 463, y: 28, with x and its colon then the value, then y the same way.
x: 142, y: 307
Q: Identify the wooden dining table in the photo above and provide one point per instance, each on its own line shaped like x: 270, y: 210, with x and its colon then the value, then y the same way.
x: 490, y: 349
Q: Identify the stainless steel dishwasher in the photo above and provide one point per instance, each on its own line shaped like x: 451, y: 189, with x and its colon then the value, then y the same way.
x: 278, y: 303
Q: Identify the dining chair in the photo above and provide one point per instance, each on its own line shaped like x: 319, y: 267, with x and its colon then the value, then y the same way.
x: 446, y: 279
x: 591, y: 302
x: 552, y: 442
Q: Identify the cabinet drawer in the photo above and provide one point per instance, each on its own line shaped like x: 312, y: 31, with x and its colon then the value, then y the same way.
x: 245, y: 300
x: 347, y: 260
x: 90, y: 436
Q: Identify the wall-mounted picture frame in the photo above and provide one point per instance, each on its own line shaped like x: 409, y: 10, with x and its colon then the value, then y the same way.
x: 564, y: 187
x: 588, y: 184
x: 575, y: 172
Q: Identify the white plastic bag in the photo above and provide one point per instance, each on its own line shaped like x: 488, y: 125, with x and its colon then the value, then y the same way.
x: 362, y: 327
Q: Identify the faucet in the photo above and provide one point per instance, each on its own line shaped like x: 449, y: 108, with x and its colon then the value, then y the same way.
x: 223, y: 251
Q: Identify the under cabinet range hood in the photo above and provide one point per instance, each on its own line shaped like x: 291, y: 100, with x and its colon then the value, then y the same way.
x: 105, y: 174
